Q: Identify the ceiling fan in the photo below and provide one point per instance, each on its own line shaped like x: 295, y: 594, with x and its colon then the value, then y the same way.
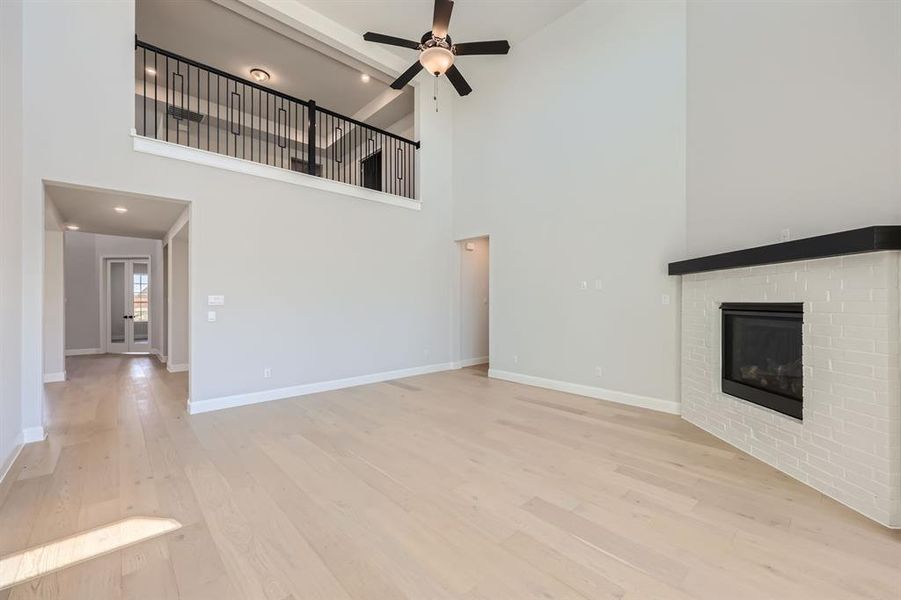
x: 437, y: 52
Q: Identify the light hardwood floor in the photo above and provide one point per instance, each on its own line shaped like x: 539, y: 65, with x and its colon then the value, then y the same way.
x: 442, y: 486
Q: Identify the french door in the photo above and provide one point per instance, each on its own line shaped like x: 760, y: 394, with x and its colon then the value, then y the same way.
x: 128, y: 305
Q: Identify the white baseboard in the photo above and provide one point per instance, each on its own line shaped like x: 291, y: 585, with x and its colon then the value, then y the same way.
x: 8, y: 464
x: 83, y: 351
x: 210, y: 404
x: 54, y: 377
x: 33, y: 434
x: 658, y: 404
x: 162, y: 357
x: 26, y: 436
x: 471, y: 362
x: 174, y: 368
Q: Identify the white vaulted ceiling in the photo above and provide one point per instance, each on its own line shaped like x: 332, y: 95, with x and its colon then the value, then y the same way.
x: 473, y: 20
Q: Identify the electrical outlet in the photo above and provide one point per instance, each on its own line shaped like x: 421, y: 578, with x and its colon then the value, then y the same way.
x: 211, y: 316
x: 516, y: 359
x: 785, y: 235
x: 426, y: 352
x: 583, y: 285
x: 598, y: 284
x: 665, y: 299
x: 599, y: 371
x: 267, y: 373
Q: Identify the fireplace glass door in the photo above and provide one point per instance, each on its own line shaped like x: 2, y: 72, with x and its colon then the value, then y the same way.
x: 762, y: 355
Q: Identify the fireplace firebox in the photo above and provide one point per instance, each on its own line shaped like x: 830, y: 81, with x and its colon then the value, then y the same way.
x: 762, y: 354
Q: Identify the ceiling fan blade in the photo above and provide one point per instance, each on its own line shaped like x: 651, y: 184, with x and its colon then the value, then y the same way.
x: 390, y: 40
x: 407, y: 76
x: 441, y: 20
x: 456, y: 78
x: 473, y: 48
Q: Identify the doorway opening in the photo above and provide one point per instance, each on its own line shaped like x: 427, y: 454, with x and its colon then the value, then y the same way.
x: 107, y: 288
x: 474, y: 302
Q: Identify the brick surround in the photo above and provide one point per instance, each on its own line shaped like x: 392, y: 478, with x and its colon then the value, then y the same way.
x: 848, y: 445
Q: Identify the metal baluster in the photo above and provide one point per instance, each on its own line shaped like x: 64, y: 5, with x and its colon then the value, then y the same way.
x: 218, y: 116
x: 167, y: 98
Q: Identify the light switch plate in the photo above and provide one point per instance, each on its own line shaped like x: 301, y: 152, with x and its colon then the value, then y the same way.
x: 470, y: 246
x: 216, y: 300
x: 211, y: 316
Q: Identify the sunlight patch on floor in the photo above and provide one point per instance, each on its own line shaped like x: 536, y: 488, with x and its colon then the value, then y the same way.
x: 38, y: 561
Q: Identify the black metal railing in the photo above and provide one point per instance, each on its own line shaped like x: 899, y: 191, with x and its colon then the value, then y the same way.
x: 180, y: 100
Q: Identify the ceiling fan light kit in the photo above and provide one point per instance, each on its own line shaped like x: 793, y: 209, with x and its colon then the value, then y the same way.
x: 437, y: 60
x: 437, y: 53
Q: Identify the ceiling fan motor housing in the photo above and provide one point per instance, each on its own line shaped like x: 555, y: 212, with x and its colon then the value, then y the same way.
x: 429, y: 41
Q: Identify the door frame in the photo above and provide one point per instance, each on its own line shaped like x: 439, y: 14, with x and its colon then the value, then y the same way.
x: 103, y: 289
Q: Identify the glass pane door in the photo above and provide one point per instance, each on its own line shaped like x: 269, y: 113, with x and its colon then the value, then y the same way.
x: 128, y: 288
x: 140, y: 302
x: 118, y: 311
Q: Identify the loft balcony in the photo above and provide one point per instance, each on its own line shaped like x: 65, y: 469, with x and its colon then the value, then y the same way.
x: 182, y: 101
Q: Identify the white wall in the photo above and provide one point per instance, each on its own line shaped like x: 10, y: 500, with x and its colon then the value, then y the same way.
x: 474, y: 301
x: 318, y: 285
x: 86, y: 296
x: 177, y: 301
x: 10, y: 230
x: 82, y: 296
x: 570, y: 155
x: 794, y: 119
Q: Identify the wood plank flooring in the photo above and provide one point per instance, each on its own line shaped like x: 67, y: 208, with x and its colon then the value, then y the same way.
x: 449, y: 485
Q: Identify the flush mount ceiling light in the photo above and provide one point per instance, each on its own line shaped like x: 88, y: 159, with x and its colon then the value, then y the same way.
x: 364, y: 77
x: 259, y: 75
x: 436, y: 50
x: 72, y: 227
x: 121, y: 210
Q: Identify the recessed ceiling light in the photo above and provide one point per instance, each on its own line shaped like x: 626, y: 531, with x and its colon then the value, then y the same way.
x: 72, y: 227
x: 150, y: 71
x: 259, y: 75
x: 364, y: 77
x: 121, y: 210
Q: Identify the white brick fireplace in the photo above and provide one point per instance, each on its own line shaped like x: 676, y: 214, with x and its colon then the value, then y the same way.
x: 848, y: 444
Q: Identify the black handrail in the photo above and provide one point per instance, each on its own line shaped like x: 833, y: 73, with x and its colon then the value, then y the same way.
x: 241, y: 80
x: 192, y: 104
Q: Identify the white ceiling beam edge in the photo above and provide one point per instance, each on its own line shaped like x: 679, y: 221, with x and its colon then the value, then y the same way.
x: 379, y: 103
x: 329, y: 32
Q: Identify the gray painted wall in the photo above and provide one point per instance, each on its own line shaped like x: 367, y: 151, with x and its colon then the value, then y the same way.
x: 575, y: 168
x: 10, y: 230
x: 794, y: 120
x: 318, y: 286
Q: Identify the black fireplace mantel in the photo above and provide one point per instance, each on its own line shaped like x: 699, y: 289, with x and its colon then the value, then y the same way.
x: 856, y: 241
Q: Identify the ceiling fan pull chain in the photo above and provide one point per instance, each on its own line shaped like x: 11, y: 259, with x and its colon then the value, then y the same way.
x: 435, y: 94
